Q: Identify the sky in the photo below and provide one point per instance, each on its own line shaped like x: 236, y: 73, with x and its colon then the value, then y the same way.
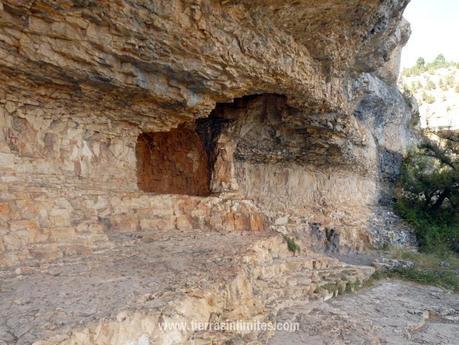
x: 435, y: 30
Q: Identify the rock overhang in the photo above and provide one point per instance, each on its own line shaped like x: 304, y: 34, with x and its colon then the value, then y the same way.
x: 81, y: 80
x: 172, y: 61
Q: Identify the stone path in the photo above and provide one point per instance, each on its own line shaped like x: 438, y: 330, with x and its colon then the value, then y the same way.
x: 392, y: 313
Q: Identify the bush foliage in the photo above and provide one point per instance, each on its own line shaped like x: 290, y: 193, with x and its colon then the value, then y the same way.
x: 428, y: 193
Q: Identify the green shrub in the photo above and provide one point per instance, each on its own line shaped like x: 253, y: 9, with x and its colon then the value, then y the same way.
x: 435, y: 233
x: 292, y: 246
x: 415, y: 86
x: 443, y: 86
x: 450, y: 80
x: 428, y: 98
x: 430, y: 85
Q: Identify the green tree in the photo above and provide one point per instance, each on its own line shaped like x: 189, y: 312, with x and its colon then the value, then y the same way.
x: 440, y: 61
x: 428, y: 195
x: 420, y: 62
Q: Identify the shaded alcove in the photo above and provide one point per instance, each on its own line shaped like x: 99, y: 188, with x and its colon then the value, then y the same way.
x: 173, y: 162
x: 198, y: 158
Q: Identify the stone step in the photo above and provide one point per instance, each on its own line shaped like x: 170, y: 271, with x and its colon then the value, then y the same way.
x: 297, y: 264
x: 287, y: 281
x: 310, y: 284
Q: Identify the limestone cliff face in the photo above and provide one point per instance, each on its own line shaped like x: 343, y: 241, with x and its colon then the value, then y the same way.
x: 293, y: 102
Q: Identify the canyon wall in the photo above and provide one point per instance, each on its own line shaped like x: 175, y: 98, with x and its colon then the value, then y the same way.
x: 124, y: 117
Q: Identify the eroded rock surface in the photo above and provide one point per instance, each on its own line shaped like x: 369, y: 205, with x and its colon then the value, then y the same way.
x: 140, y: 139
x: 392, y: 313
x: 293, y: 102
x: 129, y: 292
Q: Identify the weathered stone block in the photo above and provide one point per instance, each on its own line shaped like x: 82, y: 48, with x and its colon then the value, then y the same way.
x: 5, y: 211
x: 157, y: 224
x: 257, y: 222
x: 63, y: 234
x: 59, y: 217
x: 17, y: 240
x: 124, y: 223
x: 183, y: 222
x: 28, y: 209
x: 34, y: 232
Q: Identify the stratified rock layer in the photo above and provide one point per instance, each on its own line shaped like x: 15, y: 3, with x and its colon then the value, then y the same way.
x: 292, y: 120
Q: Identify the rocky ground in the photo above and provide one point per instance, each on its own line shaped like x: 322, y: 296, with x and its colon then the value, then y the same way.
x: 122, y: 295
x: 40, y: 302
x: 391, y: 312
